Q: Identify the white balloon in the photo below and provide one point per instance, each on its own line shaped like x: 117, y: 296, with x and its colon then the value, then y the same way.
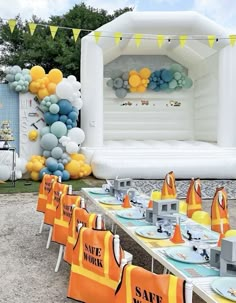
x: 64, y: 90
x: 78, y: 103
x: 72, y: 148
x: 5, y: 172
x: 72, y: 78
x: 18, y: 174
x: 76, y: 134
x: 76, y: 85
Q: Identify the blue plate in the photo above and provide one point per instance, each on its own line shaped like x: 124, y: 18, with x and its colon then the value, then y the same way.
x: 205, y: 234
x: 98, y: 191
x: 130, y: 213
x: 109, y: 201
x: 225, y: 287
x: 185, y: 254
x: 150, y: 232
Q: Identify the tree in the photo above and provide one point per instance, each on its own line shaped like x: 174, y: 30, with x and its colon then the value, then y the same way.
x: 20, y: 48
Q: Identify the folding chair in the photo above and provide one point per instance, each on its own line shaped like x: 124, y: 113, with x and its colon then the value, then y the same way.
x: 44, y: 189
x: 138, y: 285
x: 52, y: 202
x: 96, y: 266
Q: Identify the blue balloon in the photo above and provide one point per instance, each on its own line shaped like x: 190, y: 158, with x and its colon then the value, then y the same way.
x: 65, y: 175
x: 50, y: 118
x: 58, y: 173
x: 65, y: 107
x: 74, y: 124
x: 60, y: 167
x: 157, y: 73
x: 73, y: 116
x: 69, y: 122
x: 43, y: 171
x: 51, y: 164
x: 166, y: 75
x: 152, y: 85
x: 164, y: 86
x: 63, y: 118
x: 69, y: 126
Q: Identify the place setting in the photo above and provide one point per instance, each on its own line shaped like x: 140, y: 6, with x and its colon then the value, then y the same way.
x: 225, y: 287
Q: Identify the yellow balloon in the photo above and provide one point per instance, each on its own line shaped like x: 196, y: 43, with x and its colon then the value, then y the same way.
x: 55, y: 75
x: 230, y: 233
x: 133, y: 89
x: 78, y: 157
x: 37, y: 166
x: 42, y: 93
x: 73, y: 168
x: 141, y: 88
x: 134, y: 80
x: 33, y: 87
x: 183, y: 207
x: 145, y: 73
x: 37, y: 72
x: 51, y: 88
x: 29, y: 166
x: 133, y: 72
x: 34, y: 176
x: 33, y: 135
x: 155, y: 195
x: 87, y: 170
x: 201, y: 217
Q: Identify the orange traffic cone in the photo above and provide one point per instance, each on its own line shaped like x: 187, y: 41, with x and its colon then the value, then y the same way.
x: 150, y: 204
x: 126, y: 202
x: 177, y: 237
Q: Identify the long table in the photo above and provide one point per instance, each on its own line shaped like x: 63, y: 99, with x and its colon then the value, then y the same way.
x: 201, y: 275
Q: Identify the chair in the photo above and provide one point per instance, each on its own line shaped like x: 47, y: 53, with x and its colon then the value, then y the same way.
x: 53, y: 201
x: 96, y: 266
x: 80, y: 215
x: 140, y: 285
x: 44, y: 189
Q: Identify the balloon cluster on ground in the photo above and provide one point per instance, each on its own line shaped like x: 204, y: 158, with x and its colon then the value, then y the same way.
x: 60, y: 138
x: 167, y: 80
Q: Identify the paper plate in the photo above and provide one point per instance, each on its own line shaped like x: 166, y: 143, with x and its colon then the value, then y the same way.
x: 150, y: 232
x: 205, y: 234
x: 185, y: 254
x: 225, y: 287
x: 130, y: 213
x: 98, y: 191
x: 109, y: 201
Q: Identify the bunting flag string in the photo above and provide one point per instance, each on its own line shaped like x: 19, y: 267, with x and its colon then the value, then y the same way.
x: 137, y: 37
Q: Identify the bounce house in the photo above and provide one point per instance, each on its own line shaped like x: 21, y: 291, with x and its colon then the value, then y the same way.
x: 145, y: 134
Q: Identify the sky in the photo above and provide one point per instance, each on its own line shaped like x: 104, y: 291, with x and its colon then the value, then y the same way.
x: 221, y: 11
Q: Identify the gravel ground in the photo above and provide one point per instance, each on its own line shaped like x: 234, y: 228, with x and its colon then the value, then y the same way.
x: 27, y: 267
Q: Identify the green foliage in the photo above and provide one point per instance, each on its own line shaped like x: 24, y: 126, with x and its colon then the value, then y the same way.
x: 20, y: 48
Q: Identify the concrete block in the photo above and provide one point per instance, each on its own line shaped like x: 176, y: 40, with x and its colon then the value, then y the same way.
x: 215, y: 256
x: 165, y: 207
x: 149, y: 215
x: 227, y: 269
x: 228, y: 249
x: 122, y: 183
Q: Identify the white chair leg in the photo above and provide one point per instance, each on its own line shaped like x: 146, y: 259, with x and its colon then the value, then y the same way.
x: 49, y: 238
x: 152, y: 265
x: 41, y: 226
x: 60, y: 254
x: 165, y: 271
x: 189, y: 290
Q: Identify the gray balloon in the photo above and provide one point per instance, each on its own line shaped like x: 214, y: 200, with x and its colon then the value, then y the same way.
x: 116, y: 74
x: 118, y: 83
x: 110, y: 83
x: 125, y: 76
x: 121, y: 92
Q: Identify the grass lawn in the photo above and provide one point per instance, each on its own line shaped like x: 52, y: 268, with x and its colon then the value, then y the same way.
x: 29, y: 186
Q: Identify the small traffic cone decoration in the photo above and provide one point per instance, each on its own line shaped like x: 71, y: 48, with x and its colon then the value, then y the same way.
x: 126, y: 202
x: 150, y: 204
x: 177, y: 237
x: 220, y: 239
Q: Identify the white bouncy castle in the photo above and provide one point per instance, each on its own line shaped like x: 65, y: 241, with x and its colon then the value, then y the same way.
x: 145, y: 135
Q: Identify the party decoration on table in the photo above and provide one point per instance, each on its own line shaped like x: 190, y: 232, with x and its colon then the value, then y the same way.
x: 230, y: 233
x: 131, y: 213
x: 219, y: 211
x: 126, y: 202
x: 201, y: 217
x: 186, y: 254
x: 98, y: 191
x: 168, y: 190
x: 110, y: 201
x: 183, y: 207
x: 177, y: 236
x: 151, y: 232
x: 194, y: 198
x: 155, y: 196
x: 6, y: 133
x: 225, y: 287
x: 198, y: 232
x: 167, y: 80
x: 18, y: 79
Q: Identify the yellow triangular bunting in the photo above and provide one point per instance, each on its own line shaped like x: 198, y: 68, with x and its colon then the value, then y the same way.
x: 97, y: 36
x: 160, y: 40
x: 12, y: 24
x: 232, y: 39
x: 117, y: 37
x: 182, y: 40
x: 211, y: 40
x: 32, y: 28
x: 138, y: 38
x: 53, y: 30
x: 76, y: 32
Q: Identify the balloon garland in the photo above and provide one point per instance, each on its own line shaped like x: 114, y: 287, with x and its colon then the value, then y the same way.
x: 60, y: 139
x: 167, y: 80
